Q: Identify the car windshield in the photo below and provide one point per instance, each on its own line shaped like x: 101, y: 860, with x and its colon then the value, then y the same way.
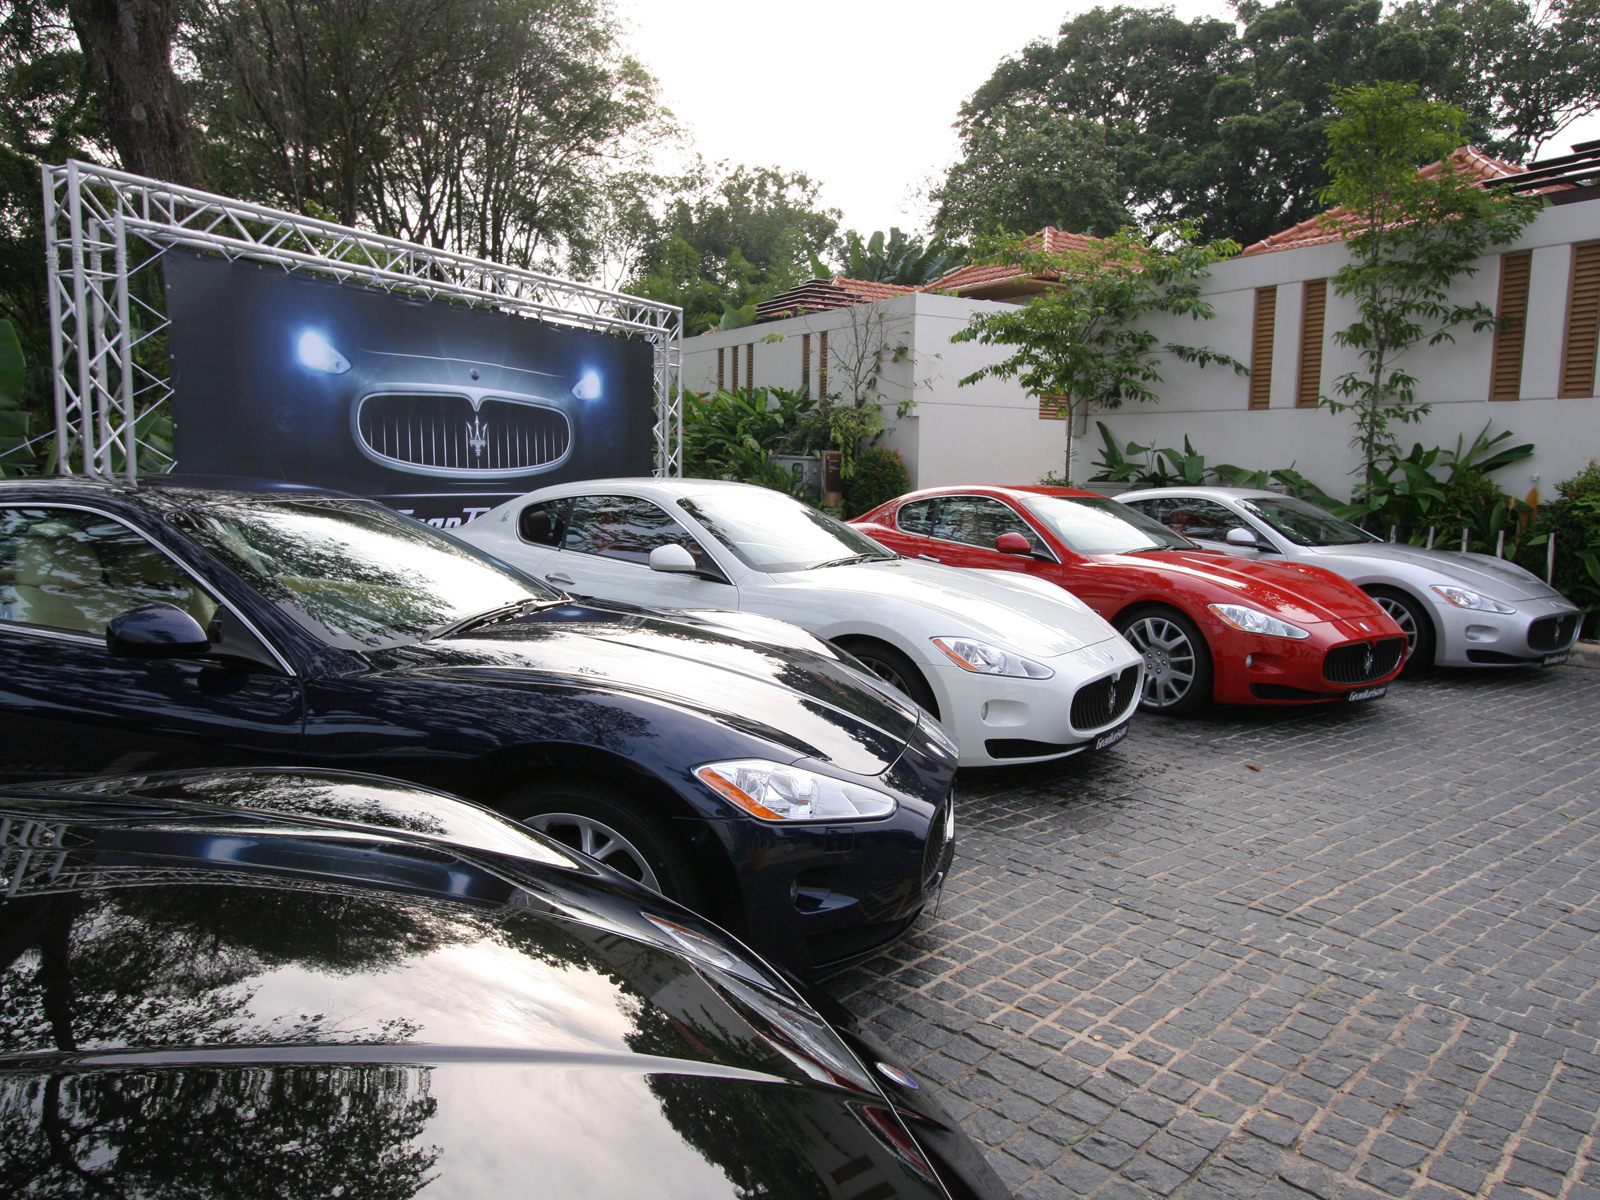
x: 771, y: 532
x: 1303, y: 523
x: 1096, y: 525
x: 354, y: 574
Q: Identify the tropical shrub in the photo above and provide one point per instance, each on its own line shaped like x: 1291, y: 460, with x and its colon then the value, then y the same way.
x: 880, y: 475
x: 1574, y: 520
x: 735, y: 434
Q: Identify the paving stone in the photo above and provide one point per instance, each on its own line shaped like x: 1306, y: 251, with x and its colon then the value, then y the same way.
x: 1369, y: 969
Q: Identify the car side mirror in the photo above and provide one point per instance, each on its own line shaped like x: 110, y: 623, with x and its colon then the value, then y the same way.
x: 156, y: 631
x: 1013, y: 543
x: 1240, y: 536
x: 673, y: 559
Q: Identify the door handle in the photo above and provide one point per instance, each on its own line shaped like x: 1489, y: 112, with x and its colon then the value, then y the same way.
x: 557, y: 577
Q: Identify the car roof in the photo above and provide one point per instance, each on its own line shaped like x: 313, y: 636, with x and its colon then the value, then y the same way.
x: 1204, y: 493
x: 168, y: 491
x: 1014, y: 490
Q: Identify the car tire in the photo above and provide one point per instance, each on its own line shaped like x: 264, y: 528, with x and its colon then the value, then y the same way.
x: 1412, y: 616
x: 1178, y: 673
x: 894, y: 668
x: 603, y: 821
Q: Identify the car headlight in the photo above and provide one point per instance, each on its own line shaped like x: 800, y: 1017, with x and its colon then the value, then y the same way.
x: 316, y: 353
x: 990, y: 660
x: 1462, y: 598
x: 1251, y: 620
x: 587, y: 387
x: 774, y: 792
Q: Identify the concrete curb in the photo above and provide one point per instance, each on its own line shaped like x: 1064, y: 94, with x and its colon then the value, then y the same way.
x: 1585, y: 654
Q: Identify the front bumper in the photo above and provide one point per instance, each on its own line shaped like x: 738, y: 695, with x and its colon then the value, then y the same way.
x: 1540, y: 632
x: 1003, y: 721
x: 818, y: 897
x: 1251, y: 669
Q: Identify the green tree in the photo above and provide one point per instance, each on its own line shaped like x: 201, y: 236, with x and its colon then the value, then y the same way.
x: 1207, y: 120
x: 1525, y: 68
x: 1026, y: 169
x: 895, y: 259
x: 1410, y: 235
x: 1086, y: 341
x: 731, y: 238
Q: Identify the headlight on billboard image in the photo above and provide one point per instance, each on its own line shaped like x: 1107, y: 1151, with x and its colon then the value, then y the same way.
x: 316, y: 353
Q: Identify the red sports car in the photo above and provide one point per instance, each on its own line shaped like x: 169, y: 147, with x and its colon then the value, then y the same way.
x: 1210, y: 626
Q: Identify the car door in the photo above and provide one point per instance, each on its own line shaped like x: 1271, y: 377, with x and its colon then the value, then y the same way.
x: 71, y: 708
x: 966, y: 528
x: 605, y: 545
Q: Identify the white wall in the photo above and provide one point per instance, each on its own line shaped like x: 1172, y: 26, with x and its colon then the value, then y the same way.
x: 990, y: 432
x: 1210, y: 406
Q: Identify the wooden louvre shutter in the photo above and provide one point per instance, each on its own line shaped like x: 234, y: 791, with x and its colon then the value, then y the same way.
x: 1583, y: 322
x: 750, y: 365
x: 722, y: 375
x: 735, y: 357
x: 805, y: 364
x: 1505, y: 371
x: 822, y: 369
x: 1312, y: 314
x: 1261, y: 347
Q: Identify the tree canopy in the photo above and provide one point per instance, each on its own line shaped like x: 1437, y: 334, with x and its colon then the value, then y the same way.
x: 1225, y: 123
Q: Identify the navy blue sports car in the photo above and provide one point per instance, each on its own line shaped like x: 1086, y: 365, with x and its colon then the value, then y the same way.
x: 731, y: 761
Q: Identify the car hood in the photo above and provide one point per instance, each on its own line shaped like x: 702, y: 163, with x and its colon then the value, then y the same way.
x: 736, y: 672
x: 1494, y: 577
x: 427, y: 1009
x: 1027, y: 615
x: 1298, y: 593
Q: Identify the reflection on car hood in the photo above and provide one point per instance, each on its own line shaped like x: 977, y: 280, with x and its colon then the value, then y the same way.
x: 335, y: 1005
x: 1029, y: 616
x: 809, y: 701
x: 1494, y: 577
x: 1298, y: 593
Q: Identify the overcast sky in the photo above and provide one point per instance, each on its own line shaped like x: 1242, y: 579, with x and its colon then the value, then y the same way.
x: 858, y: 94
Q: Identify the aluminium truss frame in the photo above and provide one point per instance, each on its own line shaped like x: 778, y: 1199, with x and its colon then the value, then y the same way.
x: 103, y: 227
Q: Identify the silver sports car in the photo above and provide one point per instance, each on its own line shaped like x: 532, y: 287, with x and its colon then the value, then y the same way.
x: 1457, y: 609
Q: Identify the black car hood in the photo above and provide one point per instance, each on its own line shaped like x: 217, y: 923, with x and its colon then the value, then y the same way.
x: 330, y: 1004
x: 808, y: 701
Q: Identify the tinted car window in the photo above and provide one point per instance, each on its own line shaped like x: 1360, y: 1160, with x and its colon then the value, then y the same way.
x: 354, y: 574
x: 979, y: 521
x: 771, y: 532
x: 1203, y: 519
x: 543, y: 524
x: 917, y: 517
x: 1094, y: 525
x: 623, y: 527
x: 1304, y: 523
x: 65, y: 568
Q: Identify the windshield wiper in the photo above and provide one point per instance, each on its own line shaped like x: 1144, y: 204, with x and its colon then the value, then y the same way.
x: 493, y: 616
x: 851, y: 559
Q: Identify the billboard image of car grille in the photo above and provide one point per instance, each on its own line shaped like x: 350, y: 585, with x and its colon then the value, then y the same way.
x: 437, y: 408
x: 441, y: 433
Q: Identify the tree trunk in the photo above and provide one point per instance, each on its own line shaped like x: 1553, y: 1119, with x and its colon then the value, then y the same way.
x: 130, y: 44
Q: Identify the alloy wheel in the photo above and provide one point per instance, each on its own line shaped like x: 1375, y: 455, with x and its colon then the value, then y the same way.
x: 599, y: 841
x: 1169, y: 660
x: 887, y: 673
x: 1403, y: 617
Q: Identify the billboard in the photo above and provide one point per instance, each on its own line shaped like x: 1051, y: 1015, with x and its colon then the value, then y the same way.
x: 434, y: 407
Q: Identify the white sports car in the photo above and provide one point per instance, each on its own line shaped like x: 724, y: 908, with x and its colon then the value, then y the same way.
x: 1457, y: 610
x: 1017, y: 669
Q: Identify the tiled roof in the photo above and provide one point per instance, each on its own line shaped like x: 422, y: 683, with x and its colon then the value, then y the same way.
x: 1335, y: 224
x: 964, y: 281
x: 820, y: 295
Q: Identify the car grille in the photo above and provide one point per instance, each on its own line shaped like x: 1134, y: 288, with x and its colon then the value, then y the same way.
x: 1362, y: 662
x: 1552, y: 633
x: 940, y: 834
x: 1103, y: 701
x: 444, y: 433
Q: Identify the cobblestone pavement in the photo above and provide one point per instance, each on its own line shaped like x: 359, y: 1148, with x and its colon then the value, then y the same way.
x: 1344, y: 953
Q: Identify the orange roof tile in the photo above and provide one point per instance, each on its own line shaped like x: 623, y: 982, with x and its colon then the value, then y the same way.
x: 1336, y: 223
x: 963, y: 280
x: 821, y: 295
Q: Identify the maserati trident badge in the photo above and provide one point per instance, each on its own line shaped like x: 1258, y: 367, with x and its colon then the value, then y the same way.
x: 478, y: 437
